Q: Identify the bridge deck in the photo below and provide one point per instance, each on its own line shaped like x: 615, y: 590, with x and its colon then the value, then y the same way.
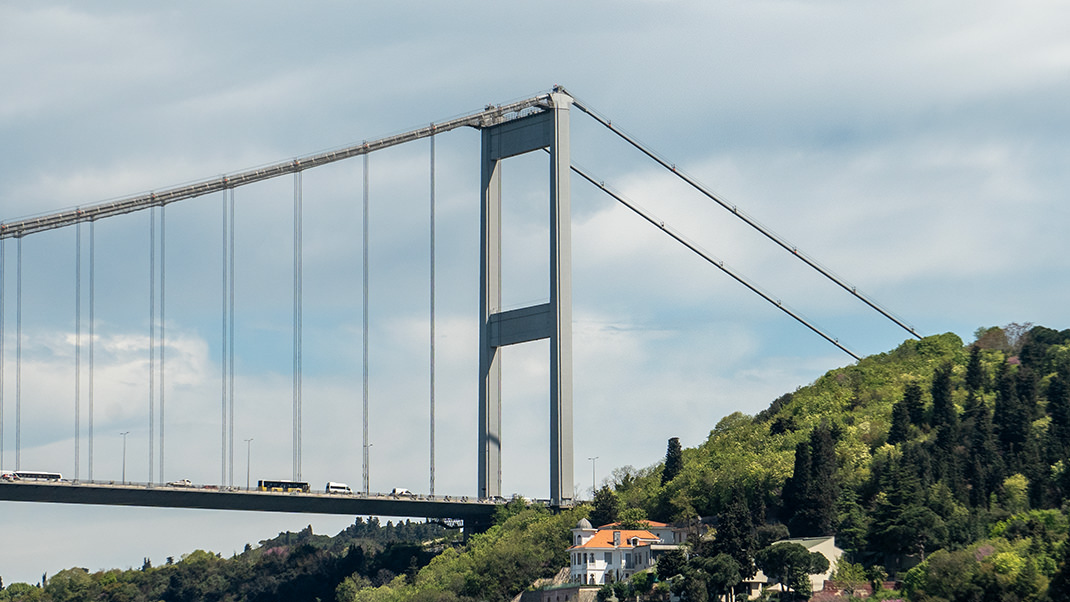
x: 476, y: 514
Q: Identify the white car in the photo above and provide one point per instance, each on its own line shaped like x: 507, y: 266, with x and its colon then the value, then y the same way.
x: 180, y: 483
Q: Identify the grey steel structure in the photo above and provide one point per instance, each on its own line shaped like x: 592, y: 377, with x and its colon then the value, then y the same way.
x: 476, y: 515
x: 544, y: 130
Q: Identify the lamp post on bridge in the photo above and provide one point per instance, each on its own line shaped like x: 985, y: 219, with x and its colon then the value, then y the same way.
x: 124, y: 434
x: 367, y: 456
x: 248, y: 455
x: 594, y: 487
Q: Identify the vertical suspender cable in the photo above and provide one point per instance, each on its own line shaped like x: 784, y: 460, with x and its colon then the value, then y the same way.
x: 152, y: 331
x: 432, y: 312
x: 77, y: 346
x: 163, y: 345
x: 297, y: 319
x: 364, y: 240
x: 92, y: 307
x: 18, y: 356
x: 230, y: 347
x: 227, y: 193
x: 3, y: 268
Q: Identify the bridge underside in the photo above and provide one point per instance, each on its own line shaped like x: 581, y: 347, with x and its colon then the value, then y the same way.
x: 476, y: 516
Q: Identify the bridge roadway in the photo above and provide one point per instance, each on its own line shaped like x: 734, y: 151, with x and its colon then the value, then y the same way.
x: 476, y: 515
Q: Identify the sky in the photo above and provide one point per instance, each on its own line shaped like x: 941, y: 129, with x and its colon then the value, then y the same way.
x: 916, y: 149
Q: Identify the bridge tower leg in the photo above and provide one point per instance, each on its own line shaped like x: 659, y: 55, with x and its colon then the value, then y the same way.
x: 553, y: 320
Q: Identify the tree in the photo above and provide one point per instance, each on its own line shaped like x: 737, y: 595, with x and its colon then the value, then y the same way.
x: 1012, y: 420
x: 810, y: 494
x: 912, y: 401
x: 984, y: 468
x: 791, y: 564
x: 900, y: 428
x: 975, y: 372
x: 633, y: 518
x: 671, y: 564
x: 674, y: 461
x: 736, y: 535
x: 722, y: 574
x: 642, y: 582
x: 946, y: 423
x: 850, y: 577
x: 607, y: 507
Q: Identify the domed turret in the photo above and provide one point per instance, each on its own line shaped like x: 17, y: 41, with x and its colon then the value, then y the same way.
x: 584, y: 524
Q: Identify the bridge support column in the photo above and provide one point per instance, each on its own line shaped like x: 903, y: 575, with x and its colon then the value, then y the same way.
x: 548, y: 129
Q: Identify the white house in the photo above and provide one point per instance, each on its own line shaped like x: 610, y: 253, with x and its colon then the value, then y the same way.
x: 610, y: 553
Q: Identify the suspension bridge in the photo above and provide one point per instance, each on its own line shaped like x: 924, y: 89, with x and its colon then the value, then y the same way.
x: 540, y: 124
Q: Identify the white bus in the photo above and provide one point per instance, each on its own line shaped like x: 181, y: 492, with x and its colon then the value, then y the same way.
x: 31, y: 475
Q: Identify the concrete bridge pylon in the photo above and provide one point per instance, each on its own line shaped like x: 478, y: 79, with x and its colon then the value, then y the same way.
x: 548, y: 130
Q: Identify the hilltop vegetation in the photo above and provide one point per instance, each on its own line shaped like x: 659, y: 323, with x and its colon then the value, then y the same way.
x: 939, y: 464
x: 291, y: 566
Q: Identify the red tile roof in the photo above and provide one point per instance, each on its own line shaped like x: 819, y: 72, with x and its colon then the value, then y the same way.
x: 604, y: 539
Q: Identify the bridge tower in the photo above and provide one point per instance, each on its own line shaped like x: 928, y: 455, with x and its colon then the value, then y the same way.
x: 548, y: 129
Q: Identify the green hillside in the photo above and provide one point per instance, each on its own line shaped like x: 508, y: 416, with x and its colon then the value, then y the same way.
x: 940, y: 465
x: 933, y: 455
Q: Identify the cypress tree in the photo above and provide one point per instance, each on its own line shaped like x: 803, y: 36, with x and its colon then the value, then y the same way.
x: 912, y: 401
x: 985, y: 469
x: 674, y: 461
x: 811, y: 492
x: 1011, y: 421
x: 1026, y: 387
x: 1059, y: 408
x: 946, y: 423
x: 975, y: 372
x: 944, y: 414
x: 900, y: 428
x: 736, y: 533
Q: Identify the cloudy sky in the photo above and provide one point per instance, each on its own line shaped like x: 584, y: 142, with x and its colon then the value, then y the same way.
x: 917, y: 150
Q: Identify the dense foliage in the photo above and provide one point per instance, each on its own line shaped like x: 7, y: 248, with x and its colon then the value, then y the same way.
x: 367, y: 561
x: 941, y: 466
x: 931, y: 460
x: 292, y: 566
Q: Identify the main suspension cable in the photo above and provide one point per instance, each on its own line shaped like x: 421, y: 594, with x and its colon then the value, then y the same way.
x: 746, y: 218
x: 680, y: 238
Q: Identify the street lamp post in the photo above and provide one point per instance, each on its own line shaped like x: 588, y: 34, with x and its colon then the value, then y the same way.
x: 594, y: 487
x: 124, y: 434
x: 367, y: 454
x: 248, y: 455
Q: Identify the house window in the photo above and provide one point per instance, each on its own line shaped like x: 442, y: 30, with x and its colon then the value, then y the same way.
x: 609, y: 557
